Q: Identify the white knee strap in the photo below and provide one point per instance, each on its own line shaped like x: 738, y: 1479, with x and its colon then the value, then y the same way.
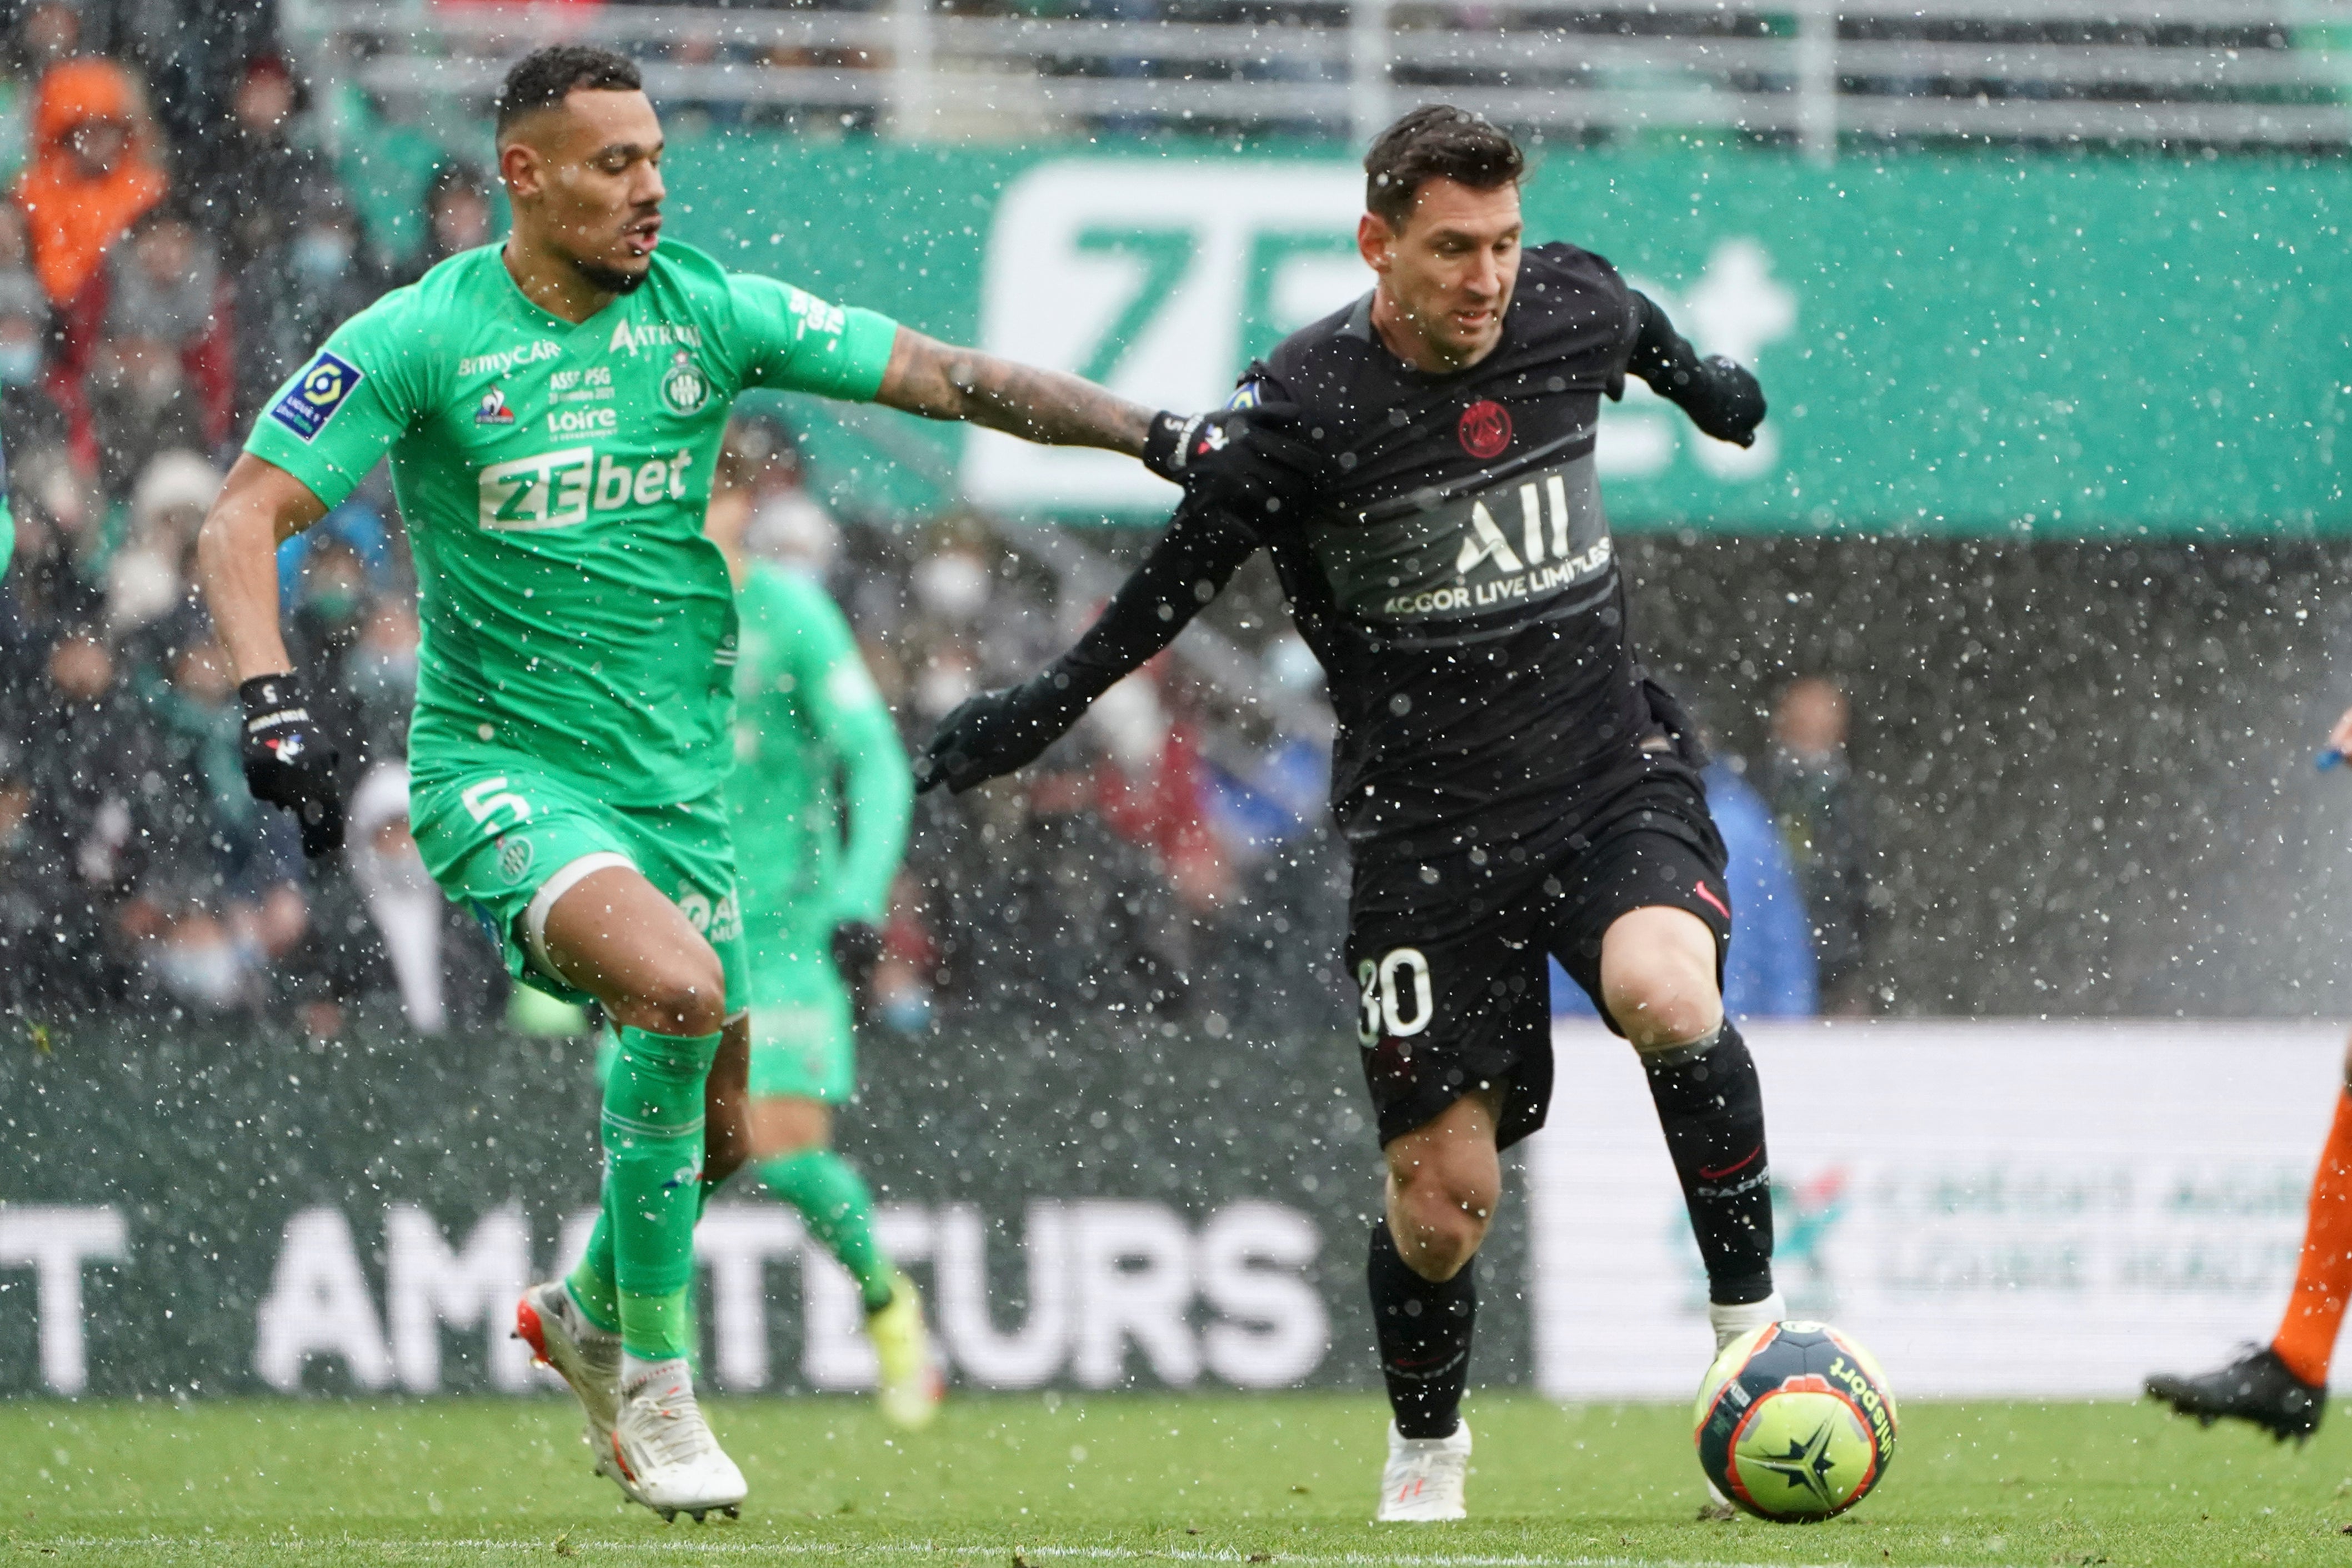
x: 534, y: 918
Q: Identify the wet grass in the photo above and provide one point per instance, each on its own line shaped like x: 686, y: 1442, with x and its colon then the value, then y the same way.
x: 1008, y: 1481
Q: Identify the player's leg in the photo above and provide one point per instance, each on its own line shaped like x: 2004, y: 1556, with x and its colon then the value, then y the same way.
x: 792, y: 1138
x: 803, y: 1063
x: 1658, y: 984
x: 2281, y: 1387
x: 1457, y: 1055
x: 616, y: 936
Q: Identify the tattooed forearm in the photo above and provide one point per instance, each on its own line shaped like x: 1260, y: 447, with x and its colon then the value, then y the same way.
x: 938, y: 381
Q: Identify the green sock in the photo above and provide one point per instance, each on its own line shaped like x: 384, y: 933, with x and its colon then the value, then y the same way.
x: 833, y: 1199
x: 590, y: 1281
x: 653, y: 1166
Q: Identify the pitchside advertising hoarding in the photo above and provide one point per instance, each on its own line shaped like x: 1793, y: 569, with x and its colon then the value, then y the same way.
x: 1996, y: 1208
x: 1999, y: 342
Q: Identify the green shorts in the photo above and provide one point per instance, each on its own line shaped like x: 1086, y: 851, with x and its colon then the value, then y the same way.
x: 804, y: 1044
x: 508, y: 840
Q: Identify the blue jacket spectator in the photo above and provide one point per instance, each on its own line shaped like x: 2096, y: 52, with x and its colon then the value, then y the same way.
x: 1769, y: 972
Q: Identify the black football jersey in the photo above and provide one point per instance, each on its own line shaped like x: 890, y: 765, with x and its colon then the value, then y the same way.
x: 1454, y: 572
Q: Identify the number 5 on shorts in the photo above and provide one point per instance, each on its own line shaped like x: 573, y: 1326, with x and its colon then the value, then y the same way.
x: 491, y: 796
x: 1380, y: 999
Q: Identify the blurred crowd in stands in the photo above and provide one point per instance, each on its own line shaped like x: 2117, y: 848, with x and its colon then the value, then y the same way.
x: 1169, y: 861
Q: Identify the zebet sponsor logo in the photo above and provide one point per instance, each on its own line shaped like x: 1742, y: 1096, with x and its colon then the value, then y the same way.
x: 557, y: 489
x: 1159, y: 280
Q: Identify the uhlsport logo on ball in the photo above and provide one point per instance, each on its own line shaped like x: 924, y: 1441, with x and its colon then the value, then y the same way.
x: 1795, y: 1421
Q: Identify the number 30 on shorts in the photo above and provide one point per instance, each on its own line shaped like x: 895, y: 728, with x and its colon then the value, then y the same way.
x: 1385, y: 1008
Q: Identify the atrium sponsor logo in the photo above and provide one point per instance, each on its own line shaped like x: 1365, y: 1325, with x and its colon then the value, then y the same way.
x: 633, y: 336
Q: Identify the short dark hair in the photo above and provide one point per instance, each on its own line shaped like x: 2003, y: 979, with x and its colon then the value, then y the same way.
x: 1437, y: 142
x: 544, y: 77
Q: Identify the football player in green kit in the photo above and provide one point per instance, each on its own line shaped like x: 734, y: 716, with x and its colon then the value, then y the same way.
x: 552, y: 407
x: 815, y: 862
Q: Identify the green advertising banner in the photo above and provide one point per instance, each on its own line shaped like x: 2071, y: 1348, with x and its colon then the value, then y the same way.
x: 1995, y: 343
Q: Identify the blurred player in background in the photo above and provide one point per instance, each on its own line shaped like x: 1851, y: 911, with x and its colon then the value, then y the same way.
x: 820, y: 800
x: 552, y: 408
x: 1509, y: 780
x: 2281, y: 1387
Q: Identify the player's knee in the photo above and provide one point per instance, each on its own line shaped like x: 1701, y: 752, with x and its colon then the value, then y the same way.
x: 1663, y: 1004
x: 686, y: 997
x: 1441, y: 1218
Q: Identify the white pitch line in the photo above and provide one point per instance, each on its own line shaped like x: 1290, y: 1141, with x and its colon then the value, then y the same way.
x: 1273, y: 1557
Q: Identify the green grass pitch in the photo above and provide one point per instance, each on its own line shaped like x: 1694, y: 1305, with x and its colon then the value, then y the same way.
x: 1068, y: 1482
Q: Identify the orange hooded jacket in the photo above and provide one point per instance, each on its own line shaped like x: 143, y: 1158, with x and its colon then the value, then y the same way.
x: 73, y: 219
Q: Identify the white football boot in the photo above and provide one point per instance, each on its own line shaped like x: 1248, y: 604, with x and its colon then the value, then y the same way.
x: 559, y: 1336
x: 664, y: 1453
x: 1729, y: 1323
x: 1424, y: 1478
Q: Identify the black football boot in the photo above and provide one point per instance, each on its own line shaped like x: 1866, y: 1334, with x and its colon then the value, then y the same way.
x: 2255, y: 1387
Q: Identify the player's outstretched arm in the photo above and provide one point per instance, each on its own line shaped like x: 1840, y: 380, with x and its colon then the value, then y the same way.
x: 996, y: 732
x: 289, y: 761
x: 1240, y: 460
x: 1721, y: 397
x: 940, y: 382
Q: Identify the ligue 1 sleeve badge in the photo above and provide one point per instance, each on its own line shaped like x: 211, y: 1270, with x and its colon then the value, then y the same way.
x: 1483, y: 429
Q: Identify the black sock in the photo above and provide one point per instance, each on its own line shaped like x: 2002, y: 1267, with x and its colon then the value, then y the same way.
x: 1712, y: 1108
x: 1424, y: 1334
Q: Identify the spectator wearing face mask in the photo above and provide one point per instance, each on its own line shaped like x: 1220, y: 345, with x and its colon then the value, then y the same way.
x: 253, y: 181
x: 151, y: 576
x: 30, y: 415
x: 93, y: 172
x: 72, y: 811
x: 294, y: 294
x: 457, y: 217
x: 380, y: 676
x: 142, y: 405
x: 211, y: 824
x: 408, y: 911
x: 163, y: 283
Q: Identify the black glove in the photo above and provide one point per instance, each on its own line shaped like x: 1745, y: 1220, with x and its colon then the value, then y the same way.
x: 856, y: 948
x: 1243, y: 462
x: 289, y: 761
x: 996, y: 732
x: 1728, y: 404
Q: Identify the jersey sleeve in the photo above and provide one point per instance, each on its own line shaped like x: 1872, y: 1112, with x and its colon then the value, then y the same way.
x: 849, y: 716
x: 792, y: 341
x: 334, y: 418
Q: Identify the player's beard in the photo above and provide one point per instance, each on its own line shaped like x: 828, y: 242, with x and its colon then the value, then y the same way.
x: 609, y: 279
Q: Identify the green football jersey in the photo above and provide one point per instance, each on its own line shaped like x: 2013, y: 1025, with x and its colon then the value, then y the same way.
x: 806, y: 714
x: 553, y: 478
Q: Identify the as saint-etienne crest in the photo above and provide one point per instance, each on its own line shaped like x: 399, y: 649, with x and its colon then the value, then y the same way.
x: 683, y: 388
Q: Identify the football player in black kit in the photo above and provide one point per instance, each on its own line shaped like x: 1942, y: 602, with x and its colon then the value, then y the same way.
x: 1510, y: 783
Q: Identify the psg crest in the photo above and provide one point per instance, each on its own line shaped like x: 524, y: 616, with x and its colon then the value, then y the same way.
x: 1485, y: 429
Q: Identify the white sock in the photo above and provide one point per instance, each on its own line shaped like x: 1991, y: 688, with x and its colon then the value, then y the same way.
x: 1730, y: 1322
x: 636, y: 1371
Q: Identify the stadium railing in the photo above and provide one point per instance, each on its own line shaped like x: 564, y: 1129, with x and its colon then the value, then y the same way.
x: 2231, y: 72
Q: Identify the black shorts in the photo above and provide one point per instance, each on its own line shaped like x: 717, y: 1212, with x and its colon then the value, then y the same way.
x: 1447, y: 955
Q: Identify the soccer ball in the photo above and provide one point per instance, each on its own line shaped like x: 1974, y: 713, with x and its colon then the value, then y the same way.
x: 1794, y: 1422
